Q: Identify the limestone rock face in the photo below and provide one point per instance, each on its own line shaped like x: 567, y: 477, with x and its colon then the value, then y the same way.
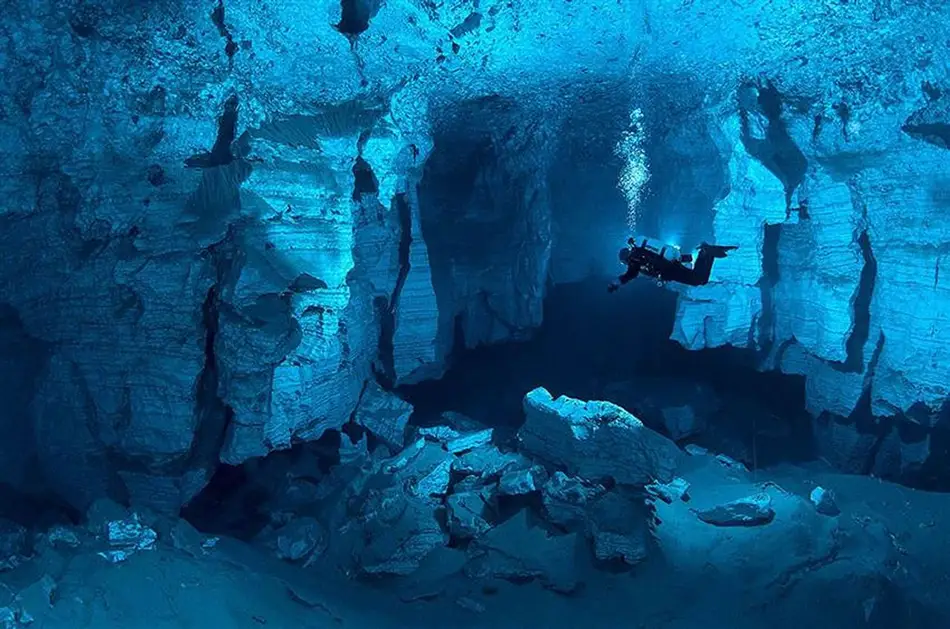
x: 216, y: 227
x: 219, y: 222
x: 835, y: 194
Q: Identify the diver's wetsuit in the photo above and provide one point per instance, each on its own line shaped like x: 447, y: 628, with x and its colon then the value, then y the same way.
x: 633, y: 270
x: 699, y: 274
x: 669, y: 271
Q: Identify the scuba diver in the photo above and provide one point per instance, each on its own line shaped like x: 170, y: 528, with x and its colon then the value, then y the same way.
x: 665, y: 263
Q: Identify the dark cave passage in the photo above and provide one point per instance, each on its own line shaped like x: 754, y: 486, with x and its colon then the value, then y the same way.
x: 591, y: 341
x: 485, y: 216
x: 242, y: 500
x: 485, y: 219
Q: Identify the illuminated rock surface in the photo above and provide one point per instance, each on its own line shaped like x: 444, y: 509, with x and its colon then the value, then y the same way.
x: 230, y: 228
x: 229, y: 237
x: 835, y: 155
x: 595, y: 440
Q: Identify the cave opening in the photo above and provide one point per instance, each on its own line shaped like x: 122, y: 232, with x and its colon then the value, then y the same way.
x: 485, y: 220
x: 595, y: 346
x: 26, y: 496
x: 581, y: 341
x: 364, y: 179
x: 243, y: 500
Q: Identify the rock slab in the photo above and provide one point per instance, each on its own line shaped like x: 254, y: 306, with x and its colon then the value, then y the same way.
x: 595, y: 440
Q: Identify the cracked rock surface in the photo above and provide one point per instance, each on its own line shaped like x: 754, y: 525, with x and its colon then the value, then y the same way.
x: 830, y: 178
x: 225, y: 223
x: 228, y: 233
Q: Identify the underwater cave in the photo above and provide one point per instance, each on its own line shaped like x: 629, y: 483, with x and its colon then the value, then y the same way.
x: 483, y: 315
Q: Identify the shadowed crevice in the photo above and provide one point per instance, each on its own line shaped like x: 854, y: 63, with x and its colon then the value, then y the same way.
x: 386, y: 309
x: 777, y: 150
x: 220, y: 154
x: 861, y: 307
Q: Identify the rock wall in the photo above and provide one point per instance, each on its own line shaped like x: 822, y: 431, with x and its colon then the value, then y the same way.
x: 837, y: 156
x: 220, y: 218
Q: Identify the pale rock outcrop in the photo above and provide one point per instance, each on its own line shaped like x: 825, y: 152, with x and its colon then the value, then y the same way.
x: 595, y: 440
x: 835, y: 190
x: 315, y: 383
x: 845, y: 303
x: 726, y: 311
x: 231, y: 229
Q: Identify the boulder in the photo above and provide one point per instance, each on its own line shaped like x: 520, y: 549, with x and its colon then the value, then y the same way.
x: 384, y: 414
x: 824, y: 501
x: 595, y: 440
x: 677, y: 489
x: 519, y: 482
x: 389, y: 514
x: 488, y: 461
x: 62, y: 537
x: 465, y: 513
x: 442, y: 434
x: 566, y: 499
x: 130, y: 534
x: 400, y: 531
x: 618, y: 527
x: 301, y: 538
x: 470, y: 441
x: 28, y: 604
x: 353, y: 452
x: 753, y: 510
